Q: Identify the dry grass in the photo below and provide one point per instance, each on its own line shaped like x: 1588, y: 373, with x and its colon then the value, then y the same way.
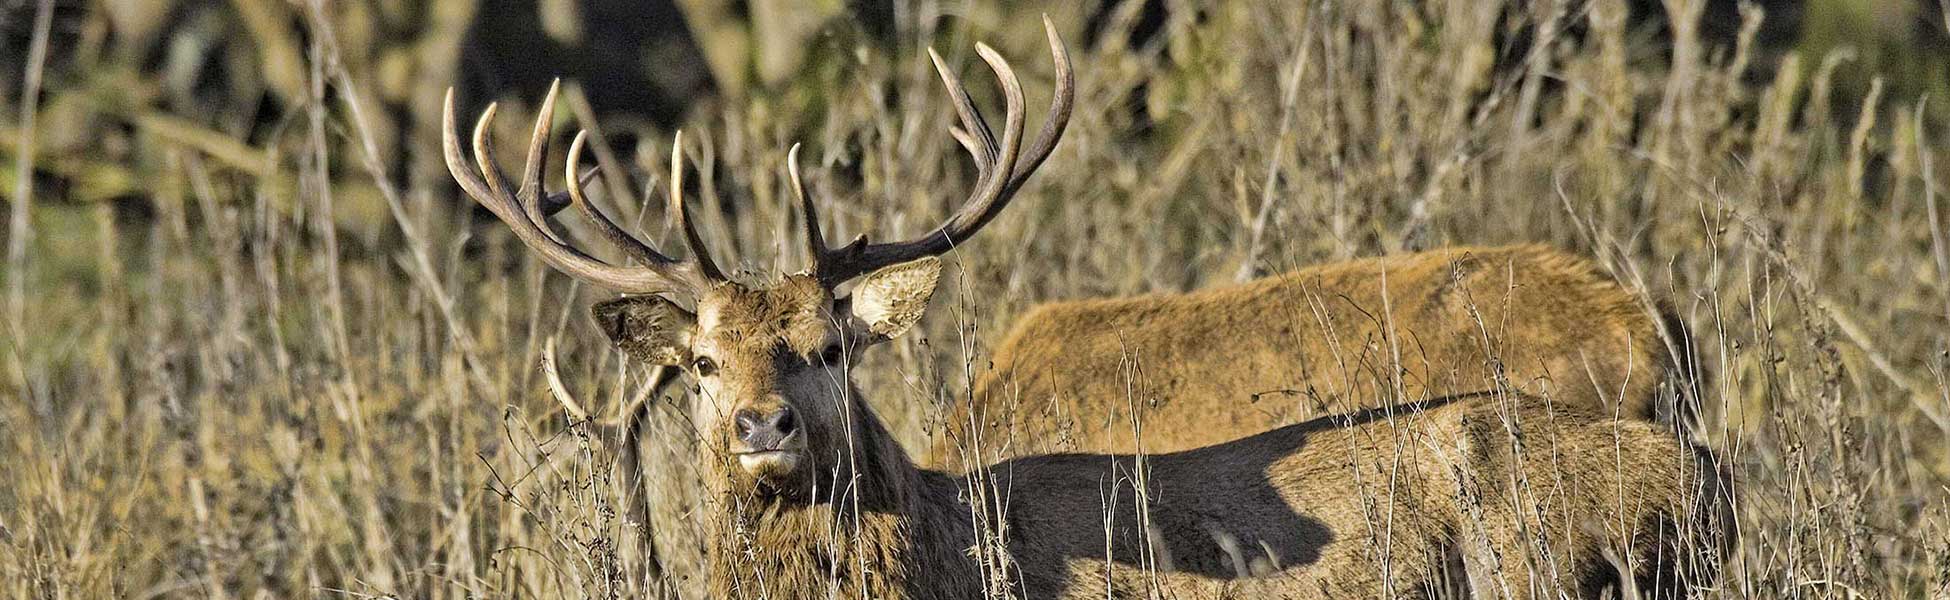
x: 288, y: 360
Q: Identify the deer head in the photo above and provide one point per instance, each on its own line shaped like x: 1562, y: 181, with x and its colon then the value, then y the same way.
x: 774, y: 400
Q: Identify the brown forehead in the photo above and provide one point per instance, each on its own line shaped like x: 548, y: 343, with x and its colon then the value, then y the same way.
x: 793, y: 310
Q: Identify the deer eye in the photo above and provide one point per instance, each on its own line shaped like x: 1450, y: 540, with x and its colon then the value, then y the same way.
x: 704, y: 366
x: 832, y: 355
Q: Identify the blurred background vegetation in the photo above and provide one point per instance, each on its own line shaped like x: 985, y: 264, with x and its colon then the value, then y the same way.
x: 226, y: 78
x: 257, y: 345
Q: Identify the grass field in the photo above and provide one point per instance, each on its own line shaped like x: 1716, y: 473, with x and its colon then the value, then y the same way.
x: 257, y: 345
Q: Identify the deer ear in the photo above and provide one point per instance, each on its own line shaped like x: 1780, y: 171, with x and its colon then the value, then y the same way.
x: 891, y: 300
x: 651, y: 329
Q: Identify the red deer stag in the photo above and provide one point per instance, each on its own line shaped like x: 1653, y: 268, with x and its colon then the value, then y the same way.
x: 809, y: 496
x: 1226, y: 362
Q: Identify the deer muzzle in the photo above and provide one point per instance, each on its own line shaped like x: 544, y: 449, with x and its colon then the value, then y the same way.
x: 769, y: 440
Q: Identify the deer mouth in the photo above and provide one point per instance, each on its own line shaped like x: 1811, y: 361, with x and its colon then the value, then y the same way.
x: 768, y: 464
x: 773, y: 461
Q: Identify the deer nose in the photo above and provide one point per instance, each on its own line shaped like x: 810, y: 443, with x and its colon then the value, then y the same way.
x: 765, y: 430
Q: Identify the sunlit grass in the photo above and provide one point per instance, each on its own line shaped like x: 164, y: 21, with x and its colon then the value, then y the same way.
x: 205, y: 399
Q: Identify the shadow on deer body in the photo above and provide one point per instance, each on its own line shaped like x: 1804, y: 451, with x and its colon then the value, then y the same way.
x: 1418, y: 498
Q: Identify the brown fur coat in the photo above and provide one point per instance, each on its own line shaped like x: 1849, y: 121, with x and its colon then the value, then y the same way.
x: 1215, y: 365
x: 1502, y: 492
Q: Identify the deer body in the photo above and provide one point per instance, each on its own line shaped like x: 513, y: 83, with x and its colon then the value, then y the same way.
x: 1215, y: 365
x: 1354, y: 507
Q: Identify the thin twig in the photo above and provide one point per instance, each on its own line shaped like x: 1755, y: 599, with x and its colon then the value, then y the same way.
x: 1938, y: 242
x: 1289, y: 96
x: 18, y: 231
x: 327, y: 224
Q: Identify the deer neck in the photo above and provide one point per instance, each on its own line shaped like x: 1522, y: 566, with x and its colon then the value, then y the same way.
x: 890, y: 532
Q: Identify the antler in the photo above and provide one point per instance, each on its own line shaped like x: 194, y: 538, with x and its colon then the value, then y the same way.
x: 999, y: 170
x: 525, y: 212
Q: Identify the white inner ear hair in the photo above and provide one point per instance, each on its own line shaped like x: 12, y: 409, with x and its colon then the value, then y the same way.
x: 892, y: 299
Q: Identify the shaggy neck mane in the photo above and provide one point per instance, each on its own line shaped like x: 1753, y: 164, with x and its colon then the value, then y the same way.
x: 895, y: 532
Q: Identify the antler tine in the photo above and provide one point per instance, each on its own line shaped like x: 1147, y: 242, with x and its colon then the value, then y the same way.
x: 1060, y: 105
x: 973, y: 126
x: 529, y: 195
x: 470, y: 182
x: 680, y: 217
x: 975, y: 151
x: 1001, y: 169
x: 554, y: 202
x: 616, y: 235
x: 488, y: 186
x: 815, y: 241
x: 484, y: 153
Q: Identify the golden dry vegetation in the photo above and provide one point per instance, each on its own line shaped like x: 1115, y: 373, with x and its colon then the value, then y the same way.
x: 257, y: 345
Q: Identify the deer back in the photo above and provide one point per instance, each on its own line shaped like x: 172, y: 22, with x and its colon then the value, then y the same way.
x: 1213, y: 365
